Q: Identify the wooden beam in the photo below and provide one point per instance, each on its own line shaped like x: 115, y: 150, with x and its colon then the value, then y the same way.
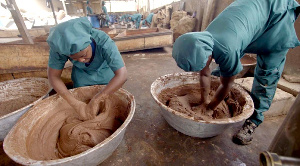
x: 14, y: 10
x: 52, y: 8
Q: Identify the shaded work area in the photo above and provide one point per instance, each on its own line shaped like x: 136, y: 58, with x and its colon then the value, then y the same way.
x: 149, y: 137
x: 149, y: 140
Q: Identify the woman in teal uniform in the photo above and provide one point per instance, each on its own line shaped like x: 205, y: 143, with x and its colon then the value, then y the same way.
x: 95, y: 57
x: 104, y: 10
x: 136, y: 18
x: 265, y: 28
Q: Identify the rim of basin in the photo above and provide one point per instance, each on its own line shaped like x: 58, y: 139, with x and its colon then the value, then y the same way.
x: 28, y: 161
x: 31, y: 104
x: 247, y: 109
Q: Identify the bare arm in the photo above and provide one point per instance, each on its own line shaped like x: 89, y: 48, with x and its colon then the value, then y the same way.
x: 61, y: 89
x: 205, y: 81
x: 222, y: 91
x: 114, y: 84
x: 59, y: 86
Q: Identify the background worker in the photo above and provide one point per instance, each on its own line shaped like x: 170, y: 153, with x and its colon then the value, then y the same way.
x: 148, y: 20
x: 104, y: 10
x: 96, y: 61
x: 265, y: 28
x: 124, y: 18
x: 136, y: 18
x: 89, y: 10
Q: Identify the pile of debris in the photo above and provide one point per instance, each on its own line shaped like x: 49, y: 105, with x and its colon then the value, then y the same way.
x: 181, y: 23
x: 162, y: 17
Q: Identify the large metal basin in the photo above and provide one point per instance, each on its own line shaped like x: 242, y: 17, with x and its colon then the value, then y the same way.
x: 15, y: 142
x: 16, y: 97
x: 187, y: 124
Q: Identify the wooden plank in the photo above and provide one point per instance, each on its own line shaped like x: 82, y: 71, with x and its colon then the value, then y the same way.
x: 42, y: 38
x: 139, y: 34
x: 14, y: 10
x: 158, y: 41
x: 140, y: 31
x: 6, y: 33
x: 17, y: 58
x: 131, y: 44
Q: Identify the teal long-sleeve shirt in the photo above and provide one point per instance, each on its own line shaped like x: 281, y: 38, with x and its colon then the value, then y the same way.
x: 252, y: 26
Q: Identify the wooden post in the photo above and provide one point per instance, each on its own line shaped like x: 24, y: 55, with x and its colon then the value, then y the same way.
x: 207, y: 14
x: 14, y: 10
x: 52, y: 8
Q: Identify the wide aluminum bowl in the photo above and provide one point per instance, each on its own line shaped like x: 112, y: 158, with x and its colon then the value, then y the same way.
x: 11, y: 94
x: 189, y: 125
x: 15, y: 142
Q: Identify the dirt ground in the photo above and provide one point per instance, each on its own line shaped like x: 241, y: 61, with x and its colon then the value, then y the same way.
x: 149, y: 140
